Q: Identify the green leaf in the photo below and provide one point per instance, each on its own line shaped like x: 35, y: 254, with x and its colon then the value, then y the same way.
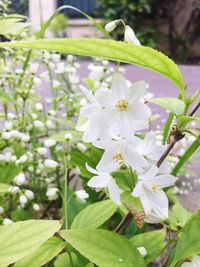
x: 131, y: 203
x: 63, y: 260
x: 104, y: 248
x: 60, y: 137
x: 94, y: 215
x: 188, y: 153
x: 11, y: 26
x: 20, y: 215
x: 189, y: 241
x: 153, y: 242
x: 178, y: 216
x: 167, y: 127
x: 174, y: 105
x: 22, y: 238
x: 112, y: 50
x: 46, y: 252
x: 8, y: 172
x: 184, y: 120
x: 4, y: 188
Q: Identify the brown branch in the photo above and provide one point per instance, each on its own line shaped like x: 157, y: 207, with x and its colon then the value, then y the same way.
x: 195, y: 109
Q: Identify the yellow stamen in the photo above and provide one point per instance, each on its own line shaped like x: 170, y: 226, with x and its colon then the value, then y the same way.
x: 118, y: 158
x: 122, y: 105
x: 155, y: 187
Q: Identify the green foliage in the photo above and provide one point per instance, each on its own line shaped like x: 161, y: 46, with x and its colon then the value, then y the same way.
x: 8, y: 172
x: 174, y: 105
x: 11, y: 26
x: 189, y: 242
x: 153, y: 242
x: 22, y: 238
x: 4, y: 188
x: 43, y: 254
x: 178, y: 216
x: 104, y: 248
x: 94, y: 215
x: 112, y: 50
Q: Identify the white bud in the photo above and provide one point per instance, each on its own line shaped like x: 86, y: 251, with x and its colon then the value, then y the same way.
x: 8, y: 125
x: 13, y: 189
x: 50, y: 124
x: 22, y: 199
x: 110, y: 26
x: 39, y: 125
x: 42, y: 151
x: 34, y: 67
x: 25, y: 138
x: 11, y: 115
x: 34, y: 116
x: 142, y: 251
x: 23, y: 159
x: 49, y: 163
x: 39, y: 106
x: 15, y: 134
x: 49, y: 143
x: 13, y: 158
x: 77, y: 170
x: 82, y: 195
x: 56, y: 84
x: 52, y: 193
x: 82, y: 148
x: 29, y: 194
x: 7, y: 157
x: 6, y: 135
x: 20, y: 179
x: 37, y: 81
x: 60, y: 68
x: 7, y: 221
x: 70, y: 58
x: 97, y: 73
x: 68, y: 136
x: 36, y: 207
x: 130, y: 36
x: 1, y: 210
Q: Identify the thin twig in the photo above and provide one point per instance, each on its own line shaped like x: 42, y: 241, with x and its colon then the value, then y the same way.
x: 195, y: 109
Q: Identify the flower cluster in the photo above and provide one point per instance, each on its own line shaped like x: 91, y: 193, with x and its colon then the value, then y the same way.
x: 116, y: 120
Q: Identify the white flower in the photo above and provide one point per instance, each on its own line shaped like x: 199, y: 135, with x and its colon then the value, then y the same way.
x: 110, y: 26
x: 39, y: 106
x: 37, y: 81
x: 70, y: 58
x: 25, y: 138
x: 130, y: 37
x: 8, y: 125
x: 6, y: 135
x: 20, y: 179
x: 39, y: 125
x: 1, y: 210
x: 158, y: 214
x: 68, y: 136
x: 194, y: 263
x: 52, y: 193
x: 82, y: 195
x: 7, y: 221
x: 7, y: 157
x: 36, y: 207
x: 13, y: 189
x: 15, y: 134
x: 118, y: 152
x: 60, y: 68
x: 142, y: 251
x: 49, y: 143
x: 50, y: 124
x: 29, y: 194
x: 105, y: 180
x: 42, y: 151
x: 149, y: 190
x: 124, y: 105
x: 97, y: 73
x: 22, y: 199
x: 34, y: 67
x: 23, y: 159
x: 81, y: 147
x: 152, y: 151
x: 49, y: 163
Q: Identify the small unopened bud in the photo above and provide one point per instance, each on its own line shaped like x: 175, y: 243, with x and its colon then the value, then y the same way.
x: 130, y: 36
x: 51, y: 164
x: 110, y: 26
x: 142, y: 251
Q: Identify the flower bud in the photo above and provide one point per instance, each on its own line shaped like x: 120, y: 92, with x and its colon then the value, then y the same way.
x: 7, y: 221
x: 142, y: 251
x: 49, y: 143
x: 110, y: 26
x: 36, y: 207
x: 22, y: 199
x: 20, y: 179
x: 51, y: 164
x: 130, y: 36
x: 81, y: 147
x: 29, y: 194
x: 82, y: 195
x: 42, y: 151
x: 52, y: 193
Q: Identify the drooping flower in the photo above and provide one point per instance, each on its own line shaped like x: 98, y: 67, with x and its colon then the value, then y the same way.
x: 82, y: 195
x: 120, y: 151
x: 149, y: 190
x: 152, y: 151
x: 105, y: 180
x: 110, y: 26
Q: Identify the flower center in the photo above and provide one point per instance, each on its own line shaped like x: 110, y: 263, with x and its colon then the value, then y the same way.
x: 155, y: 187
x: 118, y: 158
x: 122, y: 105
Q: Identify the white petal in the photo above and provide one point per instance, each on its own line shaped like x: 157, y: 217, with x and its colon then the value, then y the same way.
x: 164, y: 180
x: 119, y: 87
x: 165, y: 167
x: 107, y: 164
x: 136, y: 91
x: 89, y: 95
x: 151, y: 173
x: 99, y: 181
x: 146, y: 203
x: 158, y: 198
x: 114, y: 191
x: 104, y: 97
x: 138, y: 191
x: 105, y: 144
x: 139, y: 111
x: 135, y: 160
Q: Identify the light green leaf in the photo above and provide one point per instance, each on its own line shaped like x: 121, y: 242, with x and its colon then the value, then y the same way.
x: 4, y: 188
x: 153, y: 242
x: 63, y: 260
x: 112, y: 50
x: 22, y: 238
x: 11, y: 26
x: 178, y: 216
x: 174, y: 105
x: 8, y: 172
x: 189, y: 241
x: 43, y: 254
x: 104, y: 248
x: 94, y: 215
x: 184, y: 120
x: 60, y: 137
